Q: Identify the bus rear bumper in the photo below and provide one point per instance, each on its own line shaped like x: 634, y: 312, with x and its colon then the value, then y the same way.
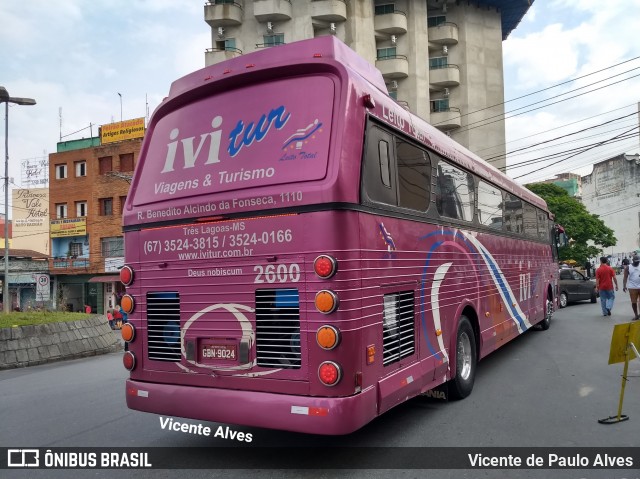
x: 313, y: 415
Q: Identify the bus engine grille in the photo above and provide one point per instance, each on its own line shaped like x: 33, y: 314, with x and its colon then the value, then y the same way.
x: 278, y: 328
x: 163, y: 326
x: 398, y: 336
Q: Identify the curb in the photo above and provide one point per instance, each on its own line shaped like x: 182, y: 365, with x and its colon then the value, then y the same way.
x: 43, y: 343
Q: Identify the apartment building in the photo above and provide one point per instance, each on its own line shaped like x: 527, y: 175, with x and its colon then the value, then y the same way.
x: 441, y: 59
x: 88, y: 186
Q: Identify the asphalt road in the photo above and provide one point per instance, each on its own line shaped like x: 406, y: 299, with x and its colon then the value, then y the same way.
x: 546, y: 389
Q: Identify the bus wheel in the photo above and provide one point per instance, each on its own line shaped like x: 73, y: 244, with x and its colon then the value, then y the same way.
x: 466, y: 360
x: 548, y: 313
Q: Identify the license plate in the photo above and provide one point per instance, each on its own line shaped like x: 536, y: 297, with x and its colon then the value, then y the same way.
x: 219, y: 351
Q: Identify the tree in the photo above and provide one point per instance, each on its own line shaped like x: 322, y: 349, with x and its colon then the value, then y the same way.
x: 587, y: 233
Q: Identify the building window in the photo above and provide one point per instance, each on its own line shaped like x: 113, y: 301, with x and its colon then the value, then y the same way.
x: 81, y: 168
x: 75, y: 249
x: 126, y: 162
x: 393, y: 94
x: 61, y: 210
x: 384, y: 53
x: 123, y: 201
x: 61, y: 172
x: 106, y: 165
x: 440, y: 105
x: 106, y: 206
x: 112, y: 247
x: 274, y: 39
x: 222, y: 2
x: 81, y: 209
x: 435, y: 21
x: 387, y: 8
x: 438, y: 62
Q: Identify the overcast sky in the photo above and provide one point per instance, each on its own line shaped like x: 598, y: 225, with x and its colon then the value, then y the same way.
x: 75, y: 56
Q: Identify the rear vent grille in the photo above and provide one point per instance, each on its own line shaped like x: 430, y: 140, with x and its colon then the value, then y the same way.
x: 278, y: 328
x: 163, y: 326
x: 398, y: 336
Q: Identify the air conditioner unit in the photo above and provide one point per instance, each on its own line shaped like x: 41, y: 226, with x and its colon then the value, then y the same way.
x: 332, y: 27
x: 270, y: 27
x: 220, y: 32
x: 446, y: 92
x: 394, y: 39
x: 445, y: 50
x: 394, y: 85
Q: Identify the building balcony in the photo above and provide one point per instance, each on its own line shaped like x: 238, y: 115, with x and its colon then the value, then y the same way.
x: 68, y: 264
x: 393, y: 67
x: 445, y: 76
x: 444, y: 34
x: 391, y: 23
x: 272, y: 10
x: 329, y: 10
x: 446, y: 119
x: 217, y: 55
x: 220, y: 13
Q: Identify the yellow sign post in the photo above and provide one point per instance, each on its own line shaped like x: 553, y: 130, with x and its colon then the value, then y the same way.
x: 625, y: 343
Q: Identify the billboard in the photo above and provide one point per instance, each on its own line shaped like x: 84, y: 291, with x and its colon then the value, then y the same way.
x: 123, y: 130
x: 31, y: 219
x: 68, y: 227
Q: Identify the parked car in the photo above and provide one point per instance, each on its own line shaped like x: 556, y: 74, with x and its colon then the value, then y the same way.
x: 575, y: 286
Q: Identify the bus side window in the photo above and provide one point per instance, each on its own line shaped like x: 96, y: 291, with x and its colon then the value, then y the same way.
x: 454, y: 192
x: 513, y: 212
x: 489, y: 205
x: 414, y: 176
x: 378, y: 179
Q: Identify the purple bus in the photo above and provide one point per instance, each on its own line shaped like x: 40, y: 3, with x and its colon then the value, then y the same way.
x: 304, y: 254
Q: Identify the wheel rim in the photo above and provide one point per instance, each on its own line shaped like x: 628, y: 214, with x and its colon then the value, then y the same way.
x: 464, y: 356
x: 563, y: 300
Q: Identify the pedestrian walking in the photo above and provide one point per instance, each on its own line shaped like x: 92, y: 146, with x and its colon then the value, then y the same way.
x: 605, y: 279
x: 587, y: 268
x: 631, y: 281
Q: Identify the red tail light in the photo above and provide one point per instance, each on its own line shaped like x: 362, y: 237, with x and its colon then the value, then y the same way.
x: 126, y: 275
x: 325, y: 266
x: 127, y: 303
x: 329, y: 373
x: 129, y: 360
x: 128, y: 332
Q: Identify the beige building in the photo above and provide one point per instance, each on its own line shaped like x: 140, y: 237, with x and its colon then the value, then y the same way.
x: 441, y: 59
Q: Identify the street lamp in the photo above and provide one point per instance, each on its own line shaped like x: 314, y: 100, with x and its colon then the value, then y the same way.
x: 4, y: 97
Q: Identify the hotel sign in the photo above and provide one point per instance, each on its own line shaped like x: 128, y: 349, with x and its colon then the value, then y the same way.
x: 68, y: 227
x: 123, y: 130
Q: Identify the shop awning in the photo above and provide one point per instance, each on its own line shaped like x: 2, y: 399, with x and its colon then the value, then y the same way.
x: 105, y: 279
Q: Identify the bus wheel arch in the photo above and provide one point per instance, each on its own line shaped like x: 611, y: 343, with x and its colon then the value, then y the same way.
x: 465, y: 355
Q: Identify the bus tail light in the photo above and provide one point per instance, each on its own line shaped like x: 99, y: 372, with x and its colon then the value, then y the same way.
x: 327, y: 337
x: 127, y: 303
x: 329, y: 373
x: 126, y: 275
x: 129, y: 360
x: 325, y: 266
x: 128, y: 332
x: 326, y: 301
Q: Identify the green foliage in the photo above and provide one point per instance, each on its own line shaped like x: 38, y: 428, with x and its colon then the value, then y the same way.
x: 37, y: 317
x: 587, y: 233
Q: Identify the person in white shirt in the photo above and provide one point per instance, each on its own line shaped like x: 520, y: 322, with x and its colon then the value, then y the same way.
x: 631, y: 281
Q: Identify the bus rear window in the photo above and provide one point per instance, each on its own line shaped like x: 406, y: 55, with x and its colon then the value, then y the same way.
x: 274, y: 133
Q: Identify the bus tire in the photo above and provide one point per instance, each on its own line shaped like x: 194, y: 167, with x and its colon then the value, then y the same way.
x: 466, y: 360
x: 548, y: 313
